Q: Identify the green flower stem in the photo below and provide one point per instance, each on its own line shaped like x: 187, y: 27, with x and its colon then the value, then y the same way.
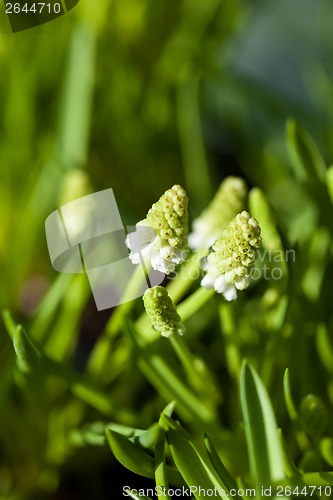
x: 100, y: 354
x: 186, y: 309
x: 161, y: 479
x: 194, y: 302
x: 186, y: 275
x: 188, y: 362
x: 167, y: 382
x: 232, y: 354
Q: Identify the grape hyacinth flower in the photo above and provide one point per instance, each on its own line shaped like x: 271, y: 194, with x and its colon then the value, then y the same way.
x: 161, y: 238
x: 229, y: 264
x: 162, y: 312
x: 229, y: 200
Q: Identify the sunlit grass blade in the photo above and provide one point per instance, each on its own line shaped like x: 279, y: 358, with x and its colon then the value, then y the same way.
x: 260, y: 209
x: 146, y: 438
x: 288, y: 464
x: 161, y: 476
x: 325, y: 347
x: 95, y: 434
x: 85, y: 437
x: 9, y: 323
x: 260, y: 429
x: 32, y: 357
x: 306, y: 158
x: 166, y: 380
x: 48, y: 307
x: 28, y: 358
x: 218, y: 465
x: 326, y: 450
x: 130, y: 455
x: 195, y: 468
x: 134, y: 458
x: 291, y: 407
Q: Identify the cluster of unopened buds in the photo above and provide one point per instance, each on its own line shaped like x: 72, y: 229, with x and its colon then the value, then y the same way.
x: 228, y: 234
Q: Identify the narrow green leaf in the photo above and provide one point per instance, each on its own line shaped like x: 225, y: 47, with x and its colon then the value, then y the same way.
x: 130, y: 455
x: 166, y: 380
x: 146, y: 438
x: 318, y: 254
x: 134, y: 458
x: 48, y: 307
x: 199, y: 475
x: 325, y: 347
x: 28, y: 358
x: 260, y: 429
x: 306, y: 159
x: 291, y: 407
x: 32, y: 357
x: 260, y: 209
x: 219, y: 465
x: 161, y: 476
x: 85, y: 437
x: 9, y: 323
x: 288, y: 464
x: 326, y: 450
x: 169, y: 409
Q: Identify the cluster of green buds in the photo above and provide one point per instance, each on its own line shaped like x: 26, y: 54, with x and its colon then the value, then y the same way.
x: 162, y: 312
x: 161, y: 238
x: 229, y: 264
x: 229, y: 201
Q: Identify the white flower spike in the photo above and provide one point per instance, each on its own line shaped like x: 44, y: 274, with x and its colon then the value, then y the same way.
x: 231, y: 260
x: 161, y: 238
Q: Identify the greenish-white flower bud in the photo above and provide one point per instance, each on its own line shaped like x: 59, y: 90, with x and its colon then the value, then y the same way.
x: 231, y: 260
x: 161, y: 238
x: 162, y: 312
x: 229, y: 200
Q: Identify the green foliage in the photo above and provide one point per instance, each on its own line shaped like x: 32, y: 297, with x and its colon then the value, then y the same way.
x: 140, y: 96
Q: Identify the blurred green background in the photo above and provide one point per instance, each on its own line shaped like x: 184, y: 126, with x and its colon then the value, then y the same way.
x: 141, y: 95
x: 138, y: 95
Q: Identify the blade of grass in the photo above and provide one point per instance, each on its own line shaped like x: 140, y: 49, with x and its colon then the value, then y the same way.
x: 260, y: 430
x: 218, y: 465
x: 134, y: 458
x: 33, y: 357
x: 199, y: 475
x: 291, y: 407
x: 161, y: 476
x: 167, y: 382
